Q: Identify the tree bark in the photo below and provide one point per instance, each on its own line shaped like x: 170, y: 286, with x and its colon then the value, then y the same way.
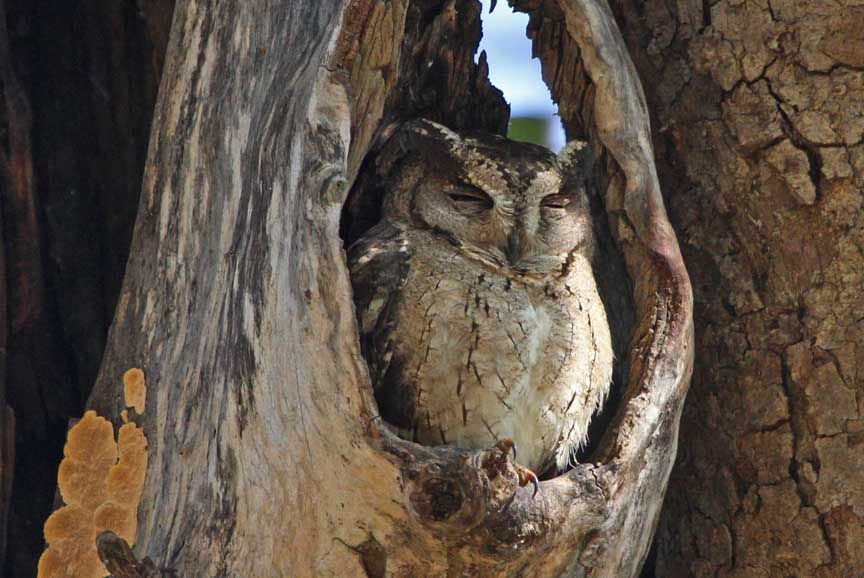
x: 761, y: 157
x: 758, y: 132
x: 265, y: 454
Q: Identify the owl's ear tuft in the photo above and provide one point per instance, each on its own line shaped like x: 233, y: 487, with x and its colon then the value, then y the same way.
x: 432, y: 141
x: 422, y: 133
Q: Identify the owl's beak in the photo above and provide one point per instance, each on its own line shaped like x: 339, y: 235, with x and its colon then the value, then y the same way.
x: 515, y: 246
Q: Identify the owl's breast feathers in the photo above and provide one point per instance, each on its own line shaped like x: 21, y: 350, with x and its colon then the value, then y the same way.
x: 461, y: 354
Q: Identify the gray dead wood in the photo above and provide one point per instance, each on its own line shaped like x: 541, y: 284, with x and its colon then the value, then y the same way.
x: 266, y: 455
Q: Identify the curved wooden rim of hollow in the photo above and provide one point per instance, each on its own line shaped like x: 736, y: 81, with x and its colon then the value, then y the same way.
x: 661, y: 348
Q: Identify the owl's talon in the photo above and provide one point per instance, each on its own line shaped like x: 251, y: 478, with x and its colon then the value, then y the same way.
x: 525, y: 475
x: 506, y: 445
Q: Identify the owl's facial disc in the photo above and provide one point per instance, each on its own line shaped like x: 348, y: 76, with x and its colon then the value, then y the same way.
x: 529, y: 226
x: 510, y: 205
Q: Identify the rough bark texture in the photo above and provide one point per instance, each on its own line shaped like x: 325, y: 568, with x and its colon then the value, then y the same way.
x: 266, y: 455
x: 758, y: 105
x: 79, y: 81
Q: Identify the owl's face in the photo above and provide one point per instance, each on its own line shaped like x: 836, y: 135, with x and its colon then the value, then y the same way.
x: 512, y: 205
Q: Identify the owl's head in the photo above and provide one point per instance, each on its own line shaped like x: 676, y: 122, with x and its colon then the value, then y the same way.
x: 512, y: 205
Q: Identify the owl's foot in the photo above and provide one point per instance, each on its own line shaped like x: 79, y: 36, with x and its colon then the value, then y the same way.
x: 525, y: 475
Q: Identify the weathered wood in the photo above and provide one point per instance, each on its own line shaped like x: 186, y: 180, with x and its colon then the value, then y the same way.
x: 266, y: 453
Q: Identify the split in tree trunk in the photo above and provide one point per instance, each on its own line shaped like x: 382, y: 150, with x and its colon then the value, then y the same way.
x: 266, y: 457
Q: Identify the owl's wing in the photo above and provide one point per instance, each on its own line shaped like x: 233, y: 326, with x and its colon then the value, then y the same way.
x: 379, y: 263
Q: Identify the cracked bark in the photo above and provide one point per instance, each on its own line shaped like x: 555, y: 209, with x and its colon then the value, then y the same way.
x: 760, y: 158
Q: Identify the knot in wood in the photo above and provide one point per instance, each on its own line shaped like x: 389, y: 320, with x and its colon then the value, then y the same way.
x: 496, y: 463
x: 437, y: 499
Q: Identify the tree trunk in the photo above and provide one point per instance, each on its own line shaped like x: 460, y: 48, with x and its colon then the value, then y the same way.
x: 266, y: 457
x: 760, y: 152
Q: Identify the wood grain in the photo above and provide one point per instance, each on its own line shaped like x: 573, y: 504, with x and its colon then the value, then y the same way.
x: 267, y: 456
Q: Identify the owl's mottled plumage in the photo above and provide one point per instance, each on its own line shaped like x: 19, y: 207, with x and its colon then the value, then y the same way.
x: 479, y: 315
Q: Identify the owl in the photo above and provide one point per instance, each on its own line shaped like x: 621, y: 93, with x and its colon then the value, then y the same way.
x: 478, y: 312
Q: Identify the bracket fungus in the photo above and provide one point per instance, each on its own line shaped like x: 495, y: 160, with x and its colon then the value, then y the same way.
x: 100, y: 481
x: 135, y: 390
